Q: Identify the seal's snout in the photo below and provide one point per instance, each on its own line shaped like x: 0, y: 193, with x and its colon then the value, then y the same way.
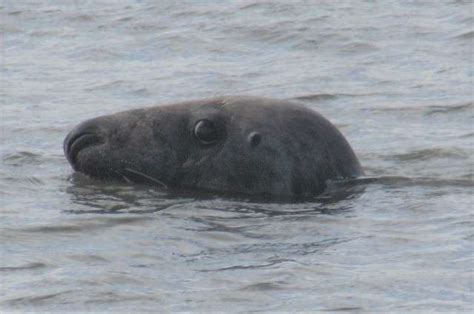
x: 84, y: 135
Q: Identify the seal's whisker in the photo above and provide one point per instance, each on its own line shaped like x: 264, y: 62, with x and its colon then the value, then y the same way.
x: 147, y: 177
x: 124, y: 177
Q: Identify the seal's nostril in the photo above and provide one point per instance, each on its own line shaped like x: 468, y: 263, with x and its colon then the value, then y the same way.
x: 84, y: 135
x: 75, y: 142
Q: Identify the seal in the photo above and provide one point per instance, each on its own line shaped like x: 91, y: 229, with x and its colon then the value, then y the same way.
x: 238, y: 144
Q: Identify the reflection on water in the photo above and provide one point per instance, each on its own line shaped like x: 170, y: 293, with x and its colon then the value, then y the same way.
x: 114, y: 197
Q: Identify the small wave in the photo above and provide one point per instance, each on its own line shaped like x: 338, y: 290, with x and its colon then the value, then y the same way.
x: 34, y: 180
x: 316, y: 97
x: 467, y: 35
x: 467, y: 135
x: 330, y: 96
x: 81, y: 17
x: 271, y: 7
x: 122, y: 86
x: 52, y: 11
x: 110, y: 297
x: 109, y: 85
x: 87, y: 225
x: 343, y: 309
x: 264, y: 286
x: 140, y: 92
x: 327, y: 96
x: 448, y: 109
x: 428, y: 154
x: 35, y: 299
x: 251, y: 5
x: 427, y: 110
x: 24, y: 181
x: 15, y: 13
x: 407, y: 181
x: 22, y: 158
x: 94, y: 54
x: 124, y: 19
x: 358, y: 47
x: 88, y: 258
x: 271, y: 263
x: 24, y: 267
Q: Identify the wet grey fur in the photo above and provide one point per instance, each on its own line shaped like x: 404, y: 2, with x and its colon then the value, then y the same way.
x: 265, y: 147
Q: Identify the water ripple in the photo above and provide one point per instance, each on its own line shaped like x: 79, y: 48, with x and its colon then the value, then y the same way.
x: 29, y: 266
x: 428, y: 154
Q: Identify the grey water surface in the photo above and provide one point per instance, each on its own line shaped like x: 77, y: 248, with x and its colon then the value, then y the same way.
x: 395, y: 76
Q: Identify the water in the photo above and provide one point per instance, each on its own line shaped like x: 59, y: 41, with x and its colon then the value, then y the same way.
x: 394, y: 76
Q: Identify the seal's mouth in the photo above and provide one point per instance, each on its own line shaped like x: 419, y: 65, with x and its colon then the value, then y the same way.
x: 75, y: 142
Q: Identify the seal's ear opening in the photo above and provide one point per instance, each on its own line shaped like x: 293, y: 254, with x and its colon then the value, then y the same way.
x: 254, y: 139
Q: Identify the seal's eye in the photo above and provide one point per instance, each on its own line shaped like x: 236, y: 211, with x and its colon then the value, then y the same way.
x: 206, y: 132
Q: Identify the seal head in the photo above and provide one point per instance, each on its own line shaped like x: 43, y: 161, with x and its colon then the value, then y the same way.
x: 245, y: 145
